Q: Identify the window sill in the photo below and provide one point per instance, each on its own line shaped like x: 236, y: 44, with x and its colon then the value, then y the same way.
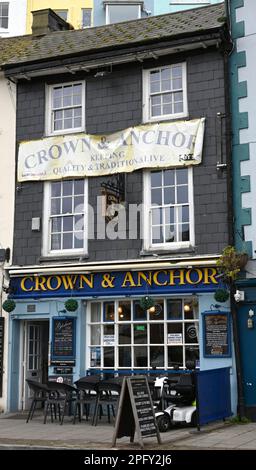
x: 166, y: 250
x: 157, y: 119
x: 64, y: 257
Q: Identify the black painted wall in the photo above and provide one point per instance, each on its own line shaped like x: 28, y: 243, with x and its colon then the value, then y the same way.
x: 113, y: 103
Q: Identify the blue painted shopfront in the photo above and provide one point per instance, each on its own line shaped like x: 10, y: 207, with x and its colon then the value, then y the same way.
x: 41, y: 298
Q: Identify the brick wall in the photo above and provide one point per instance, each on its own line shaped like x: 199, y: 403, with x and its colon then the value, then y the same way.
x: 114, y: 102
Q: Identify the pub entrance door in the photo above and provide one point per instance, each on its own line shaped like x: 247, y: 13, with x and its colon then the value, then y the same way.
x: 35, y: 356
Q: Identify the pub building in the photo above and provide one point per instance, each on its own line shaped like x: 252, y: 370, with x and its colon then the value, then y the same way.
x: 121, y: 206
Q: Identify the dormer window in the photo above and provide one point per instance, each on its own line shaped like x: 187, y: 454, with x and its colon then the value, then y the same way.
x: 117, y: 11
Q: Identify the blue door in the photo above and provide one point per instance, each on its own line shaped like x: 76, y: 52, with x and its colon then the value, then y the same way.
x: 247, y: 338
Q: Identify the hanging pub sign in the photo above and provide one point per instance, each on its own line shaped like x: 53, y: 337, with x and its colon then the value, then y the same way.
x: 216, y: 334
x: 162, y: 281
x: 160, y: 145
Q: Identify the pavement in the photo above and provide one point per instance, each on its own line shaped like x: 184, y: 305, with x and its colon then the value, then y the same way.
x: 16, y: 434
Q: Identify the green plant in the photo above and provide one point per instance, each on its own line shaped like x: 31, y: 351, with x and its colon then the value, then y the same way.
x: 9, y: 305
x: 146, y: 302
x: 239, y: 420
x: 71, y: 305
x: 221, y: 295
x: 230, y: 263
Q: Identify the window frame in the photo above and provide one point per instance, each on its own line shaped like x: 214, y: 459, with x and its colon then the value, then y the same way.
x: 2, y: 17
x: 82, y: 16
x: 146, y: 95
x: 58, y: 12
x: 111, y: 4
x: 49, y: 111
x: 167, y: 246
x: 148, y: 321
x: 46, y: 242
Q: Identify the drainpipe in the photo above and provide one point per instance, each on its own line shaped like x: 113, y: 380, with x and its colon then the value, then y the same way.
x: 233, y: 305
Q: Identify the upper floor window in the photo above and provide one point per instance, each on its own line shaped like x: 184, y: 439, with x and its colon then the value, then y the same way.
x: 165, y: 93
x: 4, y: 14
x: 66, y: 108
x: 65, y: 224
x: 168, y: 196
x: 62, y: 13
x: 86, y: 17
x: 122, y: 11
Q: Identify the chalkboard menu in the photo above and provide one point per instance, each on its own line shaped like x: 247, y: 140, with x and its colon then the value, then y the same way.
x: 1, y: 354
x: 135, y: 411
x: 216, y: 327
x: 63, y: 340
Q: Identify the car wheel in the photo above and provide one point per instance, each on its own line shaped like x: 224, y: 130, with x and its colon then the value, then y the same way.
x: 163, y: 423
x: 193, y: 422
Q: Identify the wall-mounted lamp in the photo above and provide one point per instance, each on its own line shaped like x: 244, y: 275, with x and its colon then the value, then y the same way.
x: 239, y: 295
x: 250, y: 321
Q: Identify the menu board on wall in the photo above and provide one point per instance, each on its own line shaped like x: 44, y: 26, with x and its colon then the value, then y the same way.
x: 1, y: 353
x: 63, y: 340
x: 216, y: 329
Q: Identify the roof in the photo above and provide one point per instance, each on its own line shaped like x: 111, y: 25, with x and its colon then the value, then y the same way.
x: 27, y: 49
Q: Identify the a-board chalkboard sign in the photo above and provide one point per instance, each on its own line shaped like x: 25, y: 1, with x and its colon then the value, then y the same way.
x: 135, y: 411
x: 1, y: 354
x: 63, y: 340
x: 216, y: 333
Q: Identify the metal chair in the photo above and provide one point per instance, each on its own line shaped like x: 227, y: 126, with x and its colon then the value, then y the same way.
x: 59, y: 397
x: 86, y: 396
x: 108, y: 393
x: 40, y: 392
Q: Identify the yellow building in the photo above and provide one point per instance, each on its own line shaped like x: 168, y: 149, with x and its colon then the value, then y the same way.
x: 76, y: 12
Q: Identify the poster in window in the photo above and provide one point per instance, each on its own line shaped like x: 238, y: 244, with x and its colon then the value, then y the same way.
x: 63, y: 339
x: 216, y: 329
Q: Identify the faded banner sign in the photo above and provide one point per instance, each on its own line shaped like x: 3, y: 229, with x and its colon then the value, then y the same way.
x: 167, y: 144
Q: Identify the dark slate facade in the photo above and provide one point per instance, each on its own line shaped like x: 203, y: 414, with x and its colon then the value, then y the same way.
x: 113, y: 103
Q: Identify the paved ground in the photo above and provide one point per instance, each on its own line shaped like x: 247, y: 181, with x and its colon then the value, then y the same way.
x: 15, y: 433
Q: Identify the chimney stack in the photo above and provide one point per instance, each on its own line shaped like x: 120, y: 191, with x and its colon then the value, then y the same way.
x: 46, y: 21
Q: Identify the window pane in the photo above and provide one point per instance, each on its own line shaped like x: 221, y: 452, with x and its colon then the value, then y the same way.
x: 56, y: 224
x: 124, y: 311
x: 55, y: 189
x: 55, y: 206
x: 156, y: 356
x: 124, y: 334
x: 78, y: 239
x: 67, y: 241
x: 157, y: 234
x: 157, y: 312
x: 138, y: 313
x: 140, y: 333
x: 86, y: 17
x: 125, y: 357
x: 156, y: 333
x: 108, y: 357
x: 170, y: 235
x: 182, y: 176
x: 140, y: 356
x: 191, y: 332
x: 175, y: 356
x: 66, y: 205
x: 174, y: 333
x: 122, y: 13
x: 95, y: 334
x: 67, y: 188
x: 192, y: 354
x: 169, y: 196
x: 156, y: 179
x: 95, y: 312
x: 56, y: 242
x: 168, y: 177
x: 78, y: 186
x: 174, y: 309
x: 182, y: 194
x: 157, y: 216
x: 68, y: 224
x: 156, y: 196
x: 185, y: 214
x: 95, y: 360
x: 109, y: 311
